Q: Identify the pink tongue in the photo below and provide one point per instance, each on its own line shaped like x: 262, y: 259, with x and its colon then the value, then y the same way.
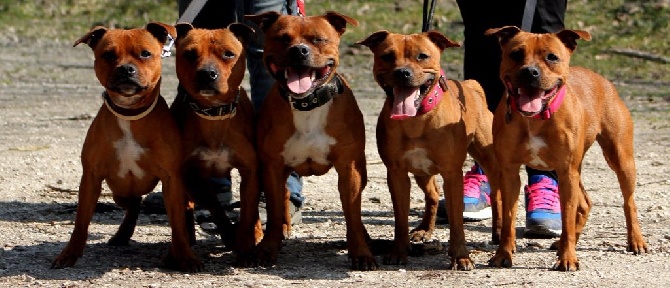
x: 299, y: 80
x: 403, y: 102
x: 530, y: 100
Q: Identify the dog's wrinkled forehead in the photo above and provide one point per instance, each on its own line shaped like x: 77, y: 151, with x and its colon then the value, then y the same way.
x: 309, y: 30
x: 526, y: 47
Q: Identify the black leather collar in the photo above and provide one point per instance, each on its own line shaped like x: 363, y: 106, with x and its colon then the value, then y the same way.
x: 220, y: 112
x: 317, y: 98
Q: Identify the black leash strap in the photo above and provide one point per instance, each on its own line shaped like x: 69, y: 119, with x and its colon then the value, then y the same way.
x: 528, y: 14
x: 427, y: 14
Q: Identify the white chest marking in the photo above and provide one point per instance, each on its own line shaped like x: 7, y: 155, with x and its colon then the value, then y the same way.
x: 128, y: 152
x: 418, y: 158
x: 219, y: 159
x: 309, y: 141
x: 535, y: 144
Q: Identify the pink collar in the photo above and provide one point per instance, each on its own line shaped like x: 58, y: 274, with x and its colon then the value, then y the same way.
x: 548, y: 109
x: 432, y: 98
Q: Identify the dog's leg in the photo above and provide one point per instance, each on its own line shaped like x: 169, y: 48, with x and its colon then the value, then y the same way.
x: 620, y: 157
x: 181, y: 256
x: 399, y: 186
x: 247, y: 235
x: 425, y: 230
x: 571, y: 196
x: 453, y: 194
x: 274, y: 186
x: 485, y: 157
x: 89, y: 192
x: 132, y: 207
x: 510, y: 185
x: 352, y: 178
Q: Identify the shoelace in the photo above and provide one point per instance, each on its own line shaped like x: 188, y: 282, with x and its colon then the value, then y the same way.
x: 471, y: 184
x: 543, y: 195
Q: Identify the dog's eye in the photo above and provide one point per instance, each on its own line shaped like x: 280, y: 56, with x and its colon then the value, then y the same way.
x: 145, y: 54
x: 285, y: 39
x: 551, y: 57
x: 109, y: 55
x: 422, y: 56
x: 388, y: 57
x: 319, y: 40
x: 190, y: 55
x: 228, y: 55
x: 517, y: 55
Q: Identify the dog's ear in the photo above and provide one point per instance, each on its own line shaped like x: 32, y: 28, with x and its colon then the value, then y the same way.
x: 182, y: 29
x: 161, y: 31
x: 92, y: 37
x: 569, y: 37
x: 503, y: 33
x: 440, y: 40
x: 374, y: 39
x: 339, y: 21
x: 243, y: 32
x: 264, y: 20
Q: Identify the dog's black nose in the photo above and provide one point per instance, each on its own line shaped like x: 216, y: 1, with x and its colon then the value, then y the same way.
x: 403, y: 74
x: 207, y: 75
x: 531, y: 72
x: 127, y: 70
x: 300, y: 51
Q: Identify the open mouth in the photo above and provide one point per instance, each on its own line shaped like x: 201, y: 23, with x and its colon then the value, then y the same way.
x: 530, y: 100
x: 301, y: 80
x: 406, y: 99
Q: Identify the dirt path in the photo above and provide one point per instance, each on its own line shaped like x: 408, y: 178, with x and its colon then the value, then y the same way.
x: 48, y: 95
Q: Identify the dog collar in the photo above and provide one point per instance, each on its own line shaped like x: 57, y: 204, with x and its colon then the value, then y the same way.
x: 430, y: 99
x: 426, y: 102
x: 221, y: 112
x: 127, y: 114
x: 317, y: 98
x: 548, y: 109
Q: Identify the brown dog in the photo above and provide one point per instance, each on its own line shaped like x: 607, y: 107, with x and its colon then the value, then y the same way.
x: 533, y: 127
x: 309, y: 122
x: 216, y: 120
x: 426, y: 127
x: 132, y: 143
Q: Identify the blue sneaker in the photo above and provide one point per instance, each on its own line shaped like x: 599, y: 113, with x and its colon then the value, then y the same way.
x: 476, y: 195
x: 543, y: 208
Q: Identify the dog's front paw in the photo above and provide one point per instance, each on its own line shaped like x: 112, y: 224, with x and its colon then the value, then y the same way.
x: 420, y: 235
x: 64, y: 259
x: 266, y: 253
x: 567, y: 265
x: 461, y: 263
x: 397, y: 255
x: 502, y: 259
x: 185, y: 263
x: 364, y: 262
x: 637, y: 246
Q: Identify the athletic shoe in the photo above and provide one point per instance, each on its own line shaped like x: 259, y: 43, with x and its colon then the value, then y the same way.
x: 476, y: 197
x: 543, y: 208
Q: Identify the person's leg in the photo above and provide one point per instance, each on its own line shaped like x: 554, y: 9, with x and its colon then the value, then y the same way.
x: 260, y: 80
x: 481, y: 62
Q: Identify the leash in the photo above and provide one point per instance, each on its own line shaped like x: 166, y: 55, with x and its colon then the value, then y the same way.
x: 528, y: 15
x: 192, y: 11
x: 427, y: 14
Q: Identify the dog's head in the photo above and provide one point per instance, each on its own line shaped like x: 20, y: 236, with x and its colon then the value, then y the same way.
x: 534, y: 67
x: 407, y: 66
x: 211, y: 63
x: 301, y: 53
x: 128, y: 62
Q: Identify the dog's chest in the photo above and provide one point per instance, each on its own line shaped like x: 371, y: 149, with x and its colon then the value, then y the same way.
x: 214, y: 158
x: 310, y: 141
x: 128, y: 152
x: 418, y: 161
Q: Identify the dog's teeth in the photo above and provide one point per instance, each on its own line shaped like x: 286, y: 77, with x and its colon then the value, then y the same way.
x: 313, y: 76
x: 285, y: 73
x: 518, y: 91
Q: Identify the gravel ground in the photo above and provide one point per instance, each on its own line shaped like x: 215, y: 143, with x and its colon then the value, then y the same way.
x: 48, y: 95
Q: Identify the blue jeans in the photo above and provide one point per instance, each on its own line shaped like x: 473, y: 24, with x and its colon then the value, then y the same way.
x: 218, y: 14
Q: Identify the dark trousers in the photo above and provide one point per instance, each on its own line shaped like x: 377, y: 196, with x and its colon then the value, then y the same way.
x: 482, y: 53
